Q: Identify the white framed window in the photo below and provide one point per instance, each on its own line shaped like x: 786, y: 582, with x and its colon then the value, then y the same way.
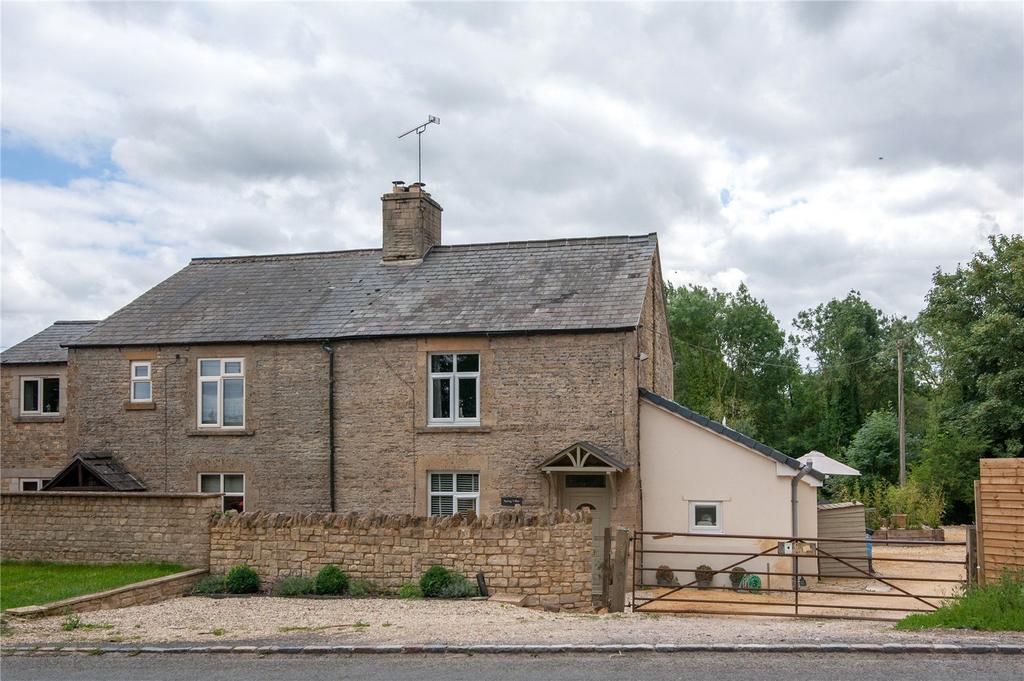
x: 231, y: 485
x: 453, y: 388
x: 221, y: 394
x: 40, y: 395
x: 142, y: 381
x: 32, y: 484
x: 454, y: 492
x: 706, y: 516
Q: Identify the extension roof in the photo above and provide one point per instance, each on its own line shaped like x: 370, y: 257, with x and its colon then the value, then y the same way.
x: 725, y: 431
x: 95, y: 471
x: 514, y: 287
x: 45, y: 346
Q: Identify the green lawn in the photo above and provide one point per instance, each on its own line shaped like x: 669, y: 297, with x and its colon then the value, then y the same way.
x: 993, y: 607
x: 36, y: 582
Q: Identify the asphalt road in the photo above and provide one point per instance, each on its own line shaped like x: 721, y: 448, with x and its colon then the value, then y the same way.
x: 643, y: 667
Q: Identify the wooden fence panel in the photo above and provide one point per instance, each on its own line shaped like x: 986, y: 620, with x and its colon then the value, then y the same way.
x: 999, y: 513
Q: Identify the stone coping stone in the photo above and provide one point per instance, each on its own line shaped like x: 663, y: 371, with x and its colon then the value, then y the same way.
x: 121, y: 495
x: 62, y: 606
x: 839, y: 648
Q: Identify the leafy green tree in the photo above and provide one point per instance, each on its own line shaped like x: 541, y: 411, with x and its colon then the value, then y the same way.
x: 874, y: 450
x: 975, y: 320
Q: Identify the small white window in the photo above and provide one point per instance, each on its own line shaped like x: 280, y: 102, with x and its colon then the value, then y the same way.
x: 706, y: 516
x: 231, y: 485
x: 455, y: 492
x: 221, y: 394
x: 453, y: 389
x: 142, y: 382
x: 40, y: 396
x: 32, y: 484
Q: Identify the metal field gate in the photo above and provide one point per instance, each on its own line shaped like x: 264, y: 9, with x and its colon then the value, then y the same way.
x: 779, y: 576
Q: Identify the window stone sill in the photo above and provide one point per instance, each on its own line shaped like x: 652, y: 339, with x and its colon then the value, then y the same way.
x: 420, y: 430
x: 39, y: 418
x: 221, y: 432
x: 139, y: 406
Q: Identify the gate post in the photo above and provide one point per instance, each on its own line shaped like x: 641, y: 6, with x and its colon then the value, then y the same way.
x: 617, y: 601
x: 972, y: 555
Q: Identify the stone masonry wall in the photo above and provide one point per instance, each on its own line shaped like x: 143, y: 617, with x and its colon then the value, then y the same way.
x: 546, y: 558
x: 32, y: 446
x: 107, y: 527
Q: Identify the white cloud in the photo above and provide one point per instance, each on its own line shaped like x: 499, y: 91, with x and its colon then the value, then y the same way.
x: 271, y: 127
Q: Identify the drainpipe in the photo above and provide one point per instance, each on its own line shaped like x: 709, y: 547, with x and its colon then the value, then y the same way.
x: 330, y: 419
x: 795, y: 527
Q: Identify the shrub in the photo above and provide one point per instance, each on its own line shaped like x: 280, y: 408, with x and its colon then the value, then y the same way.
x: 434, y: 581
x: 242, y: 580
x: 459, y: 587
x: 71, y: 622
x: 993, y: 607
x: 210, y: 584
x: 922, y: 505
x: 295, y: 586
x: 363, y: 587
x: 331, y: 580
x: 410, y: 590
x: 704, y: 574
x: 736, y: 577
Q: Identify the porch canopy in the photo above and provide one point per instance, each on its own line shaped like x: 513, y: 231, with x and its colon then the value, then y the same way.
x: 94, y: 473
x: 583, y: 457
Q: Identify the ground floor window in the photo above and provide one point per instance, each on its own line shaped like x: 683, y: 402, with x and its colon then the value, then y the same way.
x: 706, y: 516
x: 231, y: 485
x: 31, y: 484
x: 454, y: 492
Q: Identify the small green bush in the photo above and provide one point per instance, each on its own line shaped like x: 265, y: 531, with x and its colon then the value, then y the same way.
x: 459, y: 587
x: 410, y: 590
x: 210, y: 584
x: 242, y: 579
x: 71, y: 622
x: 363, y: 587
x: 295, y: 586
x: 993, y: 607
x: 434, y: 581
x: 331, y: 580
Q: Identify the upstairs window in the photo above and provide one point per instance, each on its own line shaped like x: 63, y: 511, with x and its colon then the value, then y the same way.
x: 452, y: 493
x: 221, y: 393
x: 231, y: 485
x: 454, y: 389
x: 40, y: 396
x: 32, y: 484
x: 142, y: 382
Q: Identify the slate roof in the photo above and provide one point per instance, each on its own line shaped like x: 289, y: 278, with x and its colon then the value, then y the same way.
x: 736, y: 436
x: 514, y: 287
x: 102, y: 465
x: 45, y: 346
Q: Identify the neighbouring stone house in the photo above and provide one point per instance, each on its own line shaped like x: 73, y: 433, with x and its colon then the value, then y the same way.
x: 33, y: 394
x: 419, y: 378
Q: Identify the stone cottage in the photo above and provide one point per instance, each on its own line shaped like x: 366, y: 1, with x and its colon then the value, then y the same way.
x: 33, y: 395
x: 419, y: 377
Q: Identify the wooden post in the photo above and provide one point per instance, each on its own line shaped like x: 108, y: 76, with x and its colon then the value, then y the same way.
x: 617, y: 602
x: 606, y: 568
x: 972, y: 555
x: 979, y: 524
x: 902, y: 417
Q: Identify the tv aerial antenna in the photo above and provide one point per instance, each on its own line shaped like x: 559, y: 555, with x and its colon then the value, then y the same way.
x: 419, y: 129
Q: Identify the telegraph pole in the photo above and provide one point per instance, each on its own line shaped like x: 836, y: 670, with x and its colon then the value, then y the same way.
x: 902, y: 416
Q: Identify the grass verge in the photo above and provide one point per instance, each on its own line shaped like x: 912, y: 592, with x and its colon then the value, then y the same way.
x: 37, y: 582
x: 993, y: 607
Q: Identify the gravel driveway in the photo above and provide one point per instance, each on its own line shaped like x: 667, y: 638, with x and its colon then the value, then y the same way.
x: 373, y: 621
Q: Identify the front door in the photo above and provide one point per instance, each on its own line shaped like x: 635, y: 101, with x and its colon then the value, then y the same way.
x: 590, y: 492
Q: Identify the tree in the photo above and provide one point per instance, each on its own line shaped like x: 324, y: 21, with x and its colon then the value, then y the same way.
x: 874, y: 450
x: 975, y: 321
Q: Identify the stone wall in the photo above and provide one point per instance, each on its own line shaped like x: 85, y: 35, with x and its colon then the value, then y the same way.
x: 546, y: 558
x: 107, y: 527
x: 32, y: 446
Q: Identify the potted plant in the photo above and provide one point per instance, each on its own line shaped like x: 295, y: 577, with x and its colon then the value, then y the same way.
x: 704, y: 575
x: 736, y: 577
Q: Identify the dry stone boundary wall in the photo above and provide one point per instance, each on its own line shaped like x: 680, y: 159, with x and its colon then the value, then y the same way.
x: 547, y: 558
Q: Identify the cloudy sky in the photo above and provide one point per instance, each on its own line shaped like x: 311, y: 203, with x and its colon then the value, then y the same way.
x: 749, y: 137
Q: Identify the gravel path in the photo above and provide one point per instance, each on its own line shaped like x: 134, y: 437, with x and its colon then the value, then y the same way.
x: 379, y: 621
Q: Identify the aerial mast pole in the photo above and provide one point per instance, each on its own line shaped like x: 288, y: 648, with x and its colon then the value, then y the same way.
x: 419, y: 129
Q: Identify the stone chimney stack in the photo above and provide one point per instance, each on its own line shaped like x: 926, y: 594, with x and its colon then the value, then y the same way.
x: 412, y: 223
